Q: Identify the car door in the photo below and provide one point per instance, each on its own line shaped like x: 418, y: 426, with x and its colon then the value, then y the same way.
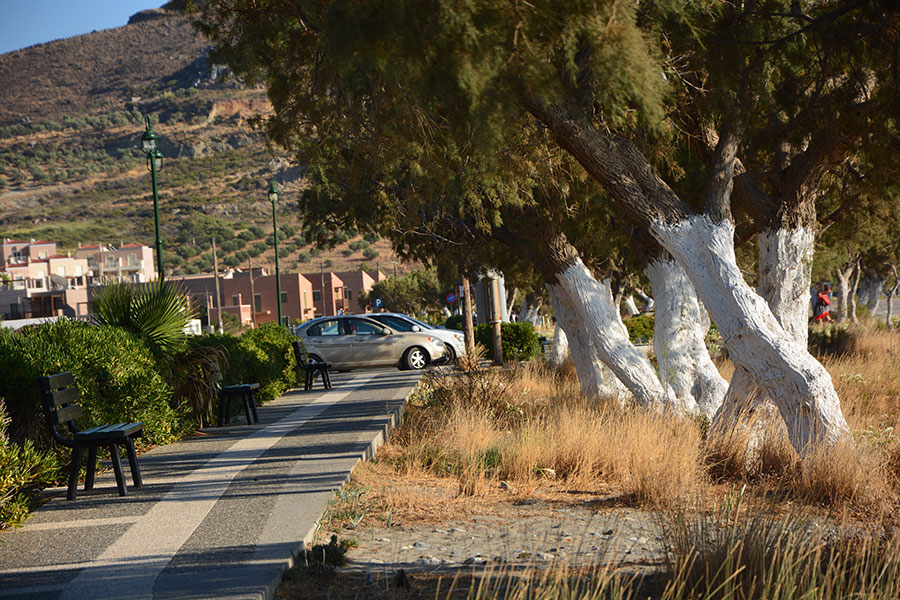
x: 328, y: 339
x: 371, y: 347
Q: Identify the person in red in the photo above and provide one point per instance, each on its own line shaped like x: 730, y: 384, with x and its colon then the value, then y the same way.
x: 821, y: 313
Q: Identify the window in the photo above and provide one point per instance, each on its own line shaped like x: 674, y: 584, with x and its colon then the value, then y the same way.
x: 348, y: 293
x: 394, y: 322
x: 78, y: 271
x: 305, y: 303
x: 92, y: 262
x: 42, y: 254
x: 337, y: 292
x: 257, y: 302
x: 363, y: 327
x: 61, y: 271
x: 112, y: 261
x: 284, y: 297
x: 133, y: 260
x: 17, y: 255
x: 236, y: 300
x: 328, y: 327
x: 317, y: 296
x: 14, y: 311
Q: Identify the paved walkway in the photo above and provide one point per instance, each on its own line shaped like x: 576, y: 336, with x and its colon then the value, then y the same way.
x: 220, y: 515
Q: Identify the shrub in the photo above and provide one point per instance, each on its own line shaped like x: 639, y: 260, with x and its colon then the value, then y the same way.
x: 263, y: 356
x: 520, y: 340
x: 832, y: 338
x: 454, y: 322
x: 640, y: 328
x: 23, y: 472
x: 358, y: 245
x: 370, y: 253
x: 116, y: 374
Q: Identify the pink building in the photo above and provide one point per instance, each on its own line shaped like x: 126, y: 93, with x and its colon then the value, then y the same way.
x: 36, y: 281
x: 328, y: 293
x: 357, y: 283
x: 133, y: 263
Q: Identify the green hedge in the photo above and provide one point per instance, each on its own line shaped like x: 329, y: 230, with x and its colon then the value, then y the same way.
x: 24, y: 471
x: 262, y: 355
x: 520, y: 340
x: 454, y: 322
x: 116, y: 374
x: 640, y: 328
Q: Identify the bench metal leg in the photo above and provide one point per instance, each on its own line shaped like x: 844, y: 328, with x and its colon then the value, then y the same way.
x: 117, y: 467
x: 73, y: 473
x: 247, y: 397
x: 91, y: 468
x: 252, y: 397
x: 132, y: 461
x: 326, y: 378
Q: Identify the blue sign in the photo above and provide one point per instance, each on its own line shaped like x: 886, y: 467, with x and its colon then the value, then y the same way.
x: 377, y: 302
x: 451, y: 298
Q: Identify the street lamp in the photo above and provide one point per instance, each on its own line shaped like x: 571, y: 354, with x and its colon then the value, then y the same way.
x: 154, y: 164
x: 273, y: 196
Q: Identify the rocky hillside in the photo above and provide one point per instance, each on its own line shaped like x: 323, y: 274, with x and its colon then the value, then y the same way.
x: 71, y: 117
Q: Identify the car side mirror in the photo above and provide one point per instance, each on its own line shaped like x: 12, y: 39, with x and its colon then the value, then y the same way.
x: 416, y: 328
x: 386, y: 331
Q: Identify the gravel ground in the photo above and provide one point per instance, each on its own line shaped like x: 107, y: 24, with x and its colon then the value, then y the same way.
x: 530, y: 532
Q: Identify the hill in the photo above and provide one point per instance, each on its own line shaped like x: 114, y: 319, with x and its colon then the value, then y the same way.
x: 71, y: 116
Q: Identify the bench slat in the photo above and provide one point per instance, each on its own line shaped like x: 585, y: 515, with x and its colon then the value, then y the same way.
x: 59, y: 380
x: 64, y: 396
x: 61, y: 416
x: 120, y: 430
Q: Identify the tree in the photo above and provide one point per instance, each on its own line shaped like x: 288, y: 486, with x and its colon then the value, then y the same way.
x: 442, y: 95
x: 412, y: 293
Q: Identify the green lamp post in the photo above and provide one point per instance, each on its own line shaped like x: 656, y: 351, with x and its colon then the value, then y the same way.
x: 154, y: 164
x: 273, y: 196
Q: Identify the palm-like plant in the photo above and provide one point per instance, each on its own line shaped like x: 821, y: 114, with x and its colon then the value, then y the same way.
x: 159, y: 312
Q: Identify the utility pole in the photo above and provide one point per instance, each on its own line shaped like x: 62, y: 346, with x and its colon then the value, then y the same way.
x: 252, y: 295
x: 218, y: 294
x: 322, y: 282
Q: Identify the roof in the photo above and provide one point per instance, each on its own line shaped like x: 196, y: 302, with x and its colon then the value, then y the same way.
x: 134, y: 246
x: 41, y: 243
x: 14, y: 242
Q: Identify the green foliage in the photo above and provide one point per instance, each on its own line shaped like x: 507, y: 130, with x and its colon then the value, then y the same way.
x: 640, y: 328
x: 409, y: 294
x: 371, y: 253
x: 262, y: 355
x: 454, y: 322
x: 23, y: 472
x: 358, y: 245
x: 520, y: 340
x: 116, y: 373
x: 158, y: 311
x: 832, y: 338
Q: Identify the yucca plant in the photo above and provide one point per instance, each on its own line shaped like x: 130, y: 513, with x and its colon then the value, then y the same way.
x: 158, y: 311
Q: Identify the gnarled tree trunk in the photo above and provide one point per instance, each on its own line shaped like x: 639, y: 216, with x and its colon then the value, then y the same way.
x: 559, y: 348
x: 679, y: 339
x: 842, y: 292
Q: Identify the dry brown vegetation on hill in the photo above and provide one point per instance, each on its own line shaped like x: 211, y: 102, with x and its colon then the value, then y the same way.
x: 71, y: 115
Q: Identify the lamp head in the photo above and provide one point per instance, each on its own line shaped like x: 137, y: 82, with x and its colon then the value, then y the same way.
x: 273, y: 192
x: 149, y: 139
x: 155, y: 160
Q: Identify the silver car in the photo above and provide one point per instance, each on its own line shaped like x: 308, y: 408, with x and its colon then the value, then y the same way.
x: 352, y: 342
x: 453, y: 339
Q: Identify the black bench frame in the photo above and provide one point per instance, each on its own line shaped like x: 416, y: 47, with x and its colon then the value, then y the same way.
x: 59, y: 397
x: 246, y: 392
x: 311, y: 368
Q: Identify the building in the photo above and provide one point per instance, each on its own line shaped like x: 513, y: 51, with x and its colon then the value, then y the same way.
x: 357, y: 283
x: 328, y: 293
x: 39, y: 282
x: 132, y: 263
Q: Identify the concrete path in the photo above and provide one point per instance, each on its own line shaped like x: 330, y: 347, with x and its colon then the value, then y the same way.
x: 220, y: 515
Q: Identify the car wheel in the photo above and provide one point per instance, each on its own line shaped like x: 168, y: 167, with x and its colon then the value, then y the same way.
x: 415, y: 359
x: 314, y: 358
x: 451, y: 354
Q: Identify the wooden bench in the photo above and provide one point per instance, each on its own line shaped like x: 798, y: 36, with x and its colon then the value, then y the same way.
x: 59, y: 397
x: 246, y: 392
x: 311, y: 368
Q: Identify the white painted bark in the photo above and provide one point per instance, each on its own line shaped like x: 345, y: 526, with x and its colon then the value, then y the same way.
x: 851, y: 305
x: 870, y: 292
x: 842, y: 293
x: 785, y: 269
x: 629, y: 307
x: 559, y: 348
x: 649, y: 302
x: 679, y: 340
x: 799, y: 385
x: 599, y: 317
x: 593, y: 379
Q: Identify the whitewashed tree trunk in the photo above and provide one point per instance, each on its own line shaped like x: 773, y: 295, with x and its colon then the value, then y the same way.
x: 559, y: 348
x: 842, y: 292
x: 599, y: 316
x: 870, y: 292
x: 531, y: 310
x: 648, y: 301
x: 629, y: 307
x: 799, y: 385
x: 679, y: 340
x: 593, y: 379
x: 854, y: 286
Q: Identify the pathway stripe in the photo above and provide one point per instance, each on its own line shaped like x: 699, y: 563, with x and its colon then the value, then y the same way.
x: 130, y: 566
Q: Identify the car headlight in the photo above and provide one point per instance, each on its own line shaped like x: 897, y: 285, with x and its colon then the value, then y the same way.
x: 435, y: 341
x: 459, y: 338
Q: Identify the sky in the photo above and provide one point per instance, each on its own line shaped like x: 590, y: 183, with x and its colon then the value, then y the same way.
x: 30, y: 22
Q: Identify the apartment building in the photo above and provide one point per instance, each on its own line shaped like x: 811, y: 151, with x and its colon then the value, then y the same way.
x: 357, y: 283
x: 132, y: 263
x: 36, y: 281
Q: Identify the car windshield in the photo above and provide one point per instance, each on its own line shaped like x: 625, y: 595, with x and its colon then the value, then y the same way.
x: 394, y: 322
x: 419, y: 323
